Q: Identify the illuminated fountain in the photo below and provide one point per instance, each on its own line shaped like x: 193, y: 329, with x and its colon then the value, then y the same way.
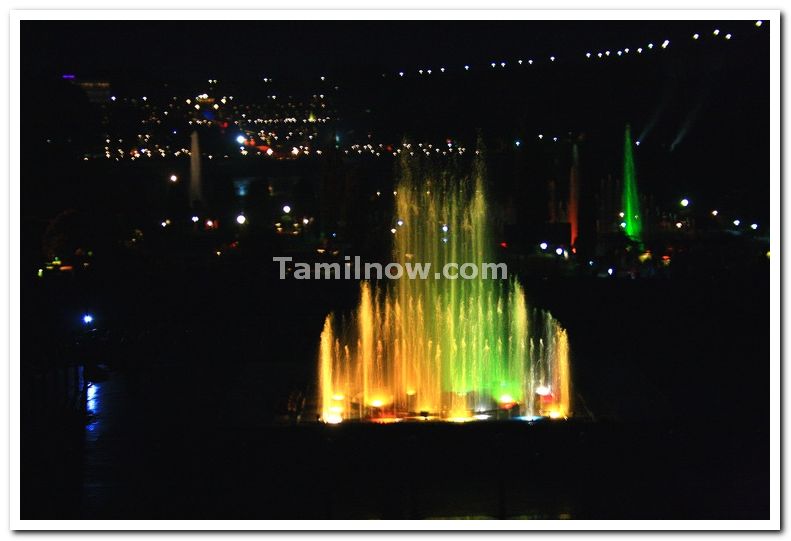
x: 630, y: 199
x: 443, y: 349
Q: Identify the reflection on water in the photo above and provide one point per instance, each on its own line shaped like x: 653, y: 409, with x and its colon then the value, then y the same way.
x: 93, y: 406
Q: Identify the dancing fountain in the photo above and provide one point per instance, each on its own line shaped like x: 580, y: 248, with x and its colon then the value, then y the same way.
x: 443, y: 349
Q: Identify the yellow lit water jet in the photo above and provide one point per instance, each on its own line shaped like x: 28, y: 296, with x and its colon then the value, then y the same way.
x: 442, y: 348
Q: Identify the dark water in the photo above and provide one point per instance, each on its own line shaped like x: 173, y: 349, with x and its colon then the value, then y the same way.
x: 190, y: 418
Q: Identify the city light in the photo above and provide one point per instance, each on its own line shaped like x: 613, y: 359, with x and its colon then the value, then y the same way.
x: 559, y: 251
x: 610, y: 271
x: 737, y: 222
x: 87, y: 319
x: 753, y: 226
x: 543, y: 245
x: 241, y: 139
x: 695, y: 36
x: 685, y: 202
x: 173, y: 178
x: 241, y: 220
x: 286, y: 209
x: 758, y: 23
x: 714, y: 212
x: 195, y: 219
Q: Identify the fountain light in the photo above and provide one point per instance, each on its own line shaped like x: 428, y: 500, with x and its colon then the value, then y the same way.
x: 506, y: 399
x: 400, y: 223
x: 543, y: 390
x: 347, y: 349
x: 332, y: 419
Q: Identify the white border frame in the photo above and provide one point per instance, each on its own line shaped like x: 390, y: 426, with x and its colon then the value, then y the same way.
x: 433, y: 14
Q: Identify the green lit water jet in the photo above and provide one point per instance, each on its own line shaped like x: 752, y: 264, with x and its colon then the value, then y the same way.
x: 630, y: 199
x: 441, y: 348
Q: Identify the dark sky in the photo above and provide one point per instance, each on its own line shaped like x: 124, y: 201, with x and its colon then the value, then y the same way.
x: 289, y: 48
x: 702, y: 105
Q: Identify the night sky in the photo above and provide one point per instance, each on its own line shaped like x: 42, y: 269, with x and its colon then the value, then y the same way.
x: 701, y: 106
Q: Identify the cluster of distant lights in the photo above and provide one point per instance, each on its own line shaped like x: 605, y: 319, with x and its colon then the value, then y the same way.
x: 737, y: 222
x: 602, y: 54
x: 200, y: 100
